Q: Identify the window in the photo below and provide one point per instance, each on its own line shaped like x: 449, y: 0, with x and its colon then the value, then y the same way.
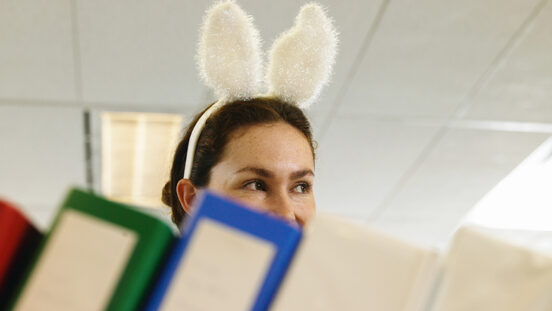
x: 136, y: 153
x: 522, y: 200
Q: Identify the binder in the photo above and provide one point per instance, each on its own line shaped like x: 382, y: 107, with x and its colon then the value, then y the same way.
x: 342, y: 265
x: 230, y: 258
x: 483, y: 272
x: 19, y: 239
x: 98, y: 255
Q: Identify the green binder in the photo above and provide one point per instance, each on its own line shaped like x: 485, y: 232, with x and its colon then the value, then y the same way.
x: 98, y: 255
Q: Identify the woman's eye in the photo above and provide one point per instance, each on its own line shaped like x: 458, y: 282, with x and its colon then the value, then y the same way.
x: 255, y: 185
x: 302, y: 188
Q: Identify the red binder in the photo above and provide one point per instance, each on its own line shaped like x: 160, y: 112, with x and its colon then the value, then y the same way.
x: 19, y: 239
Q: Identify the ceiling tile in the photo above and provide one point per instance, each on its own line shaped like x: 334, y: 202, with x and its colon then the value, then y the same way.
x: 42, y: 156
x: 462, y: 167
x: 426, y: 55
x: 360, y: 161
x: 36, y: 54
x: 521, y: 89
x: 140, y: 52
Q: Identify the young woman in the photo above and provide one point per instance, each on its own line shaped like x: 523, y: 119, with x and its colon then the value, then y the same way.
x: 258, y: 151
x: 255, y: 148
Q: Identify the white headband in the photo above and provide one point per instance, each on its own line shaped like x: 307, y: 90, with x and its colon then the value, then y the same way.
x: 230, y: 60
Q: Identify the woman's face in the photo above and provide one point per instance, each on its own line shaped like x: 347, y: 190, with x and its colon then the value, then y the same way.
x: 269, y: 166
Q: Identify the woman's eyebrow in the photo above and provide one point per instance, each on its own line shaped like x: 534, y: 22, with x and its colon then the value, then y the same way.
x: 268, y: 174
x: 301, y: 173
x: 257, y: 170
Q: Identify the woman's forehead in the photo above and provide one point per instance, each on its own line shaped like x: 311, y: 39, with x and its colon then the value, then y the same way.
x: 272, y: 146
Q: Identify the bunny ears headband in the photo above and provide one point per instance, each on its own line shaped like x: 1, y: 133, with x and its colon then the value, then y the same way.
x: 231, y: 63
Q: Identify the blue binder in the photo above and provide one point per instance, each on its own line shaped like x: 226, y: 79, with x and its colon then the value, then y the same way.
x: 283, y: 236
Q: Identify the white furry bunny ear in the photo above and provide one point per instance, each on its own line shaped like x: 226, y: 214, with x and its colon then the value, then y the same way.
x: 301, y: 59
x: 229, y: 52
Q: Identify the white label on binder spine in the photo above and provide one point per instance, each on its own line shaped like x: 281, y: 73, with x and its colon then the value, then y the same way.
x: 222, y: 269
x: 80, y: 266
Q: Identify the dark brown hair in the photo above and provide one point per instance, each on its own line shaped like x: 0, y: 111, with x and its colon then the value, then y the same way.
x: 215, y: 135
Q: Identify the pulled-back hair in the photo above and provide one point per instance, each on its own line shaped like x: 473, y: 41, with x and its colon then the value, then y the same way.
x: 215, y: 136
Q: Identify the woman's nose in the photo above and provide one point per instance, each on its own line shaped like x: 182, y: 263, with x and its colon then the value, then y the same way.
x: 283, y: 206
